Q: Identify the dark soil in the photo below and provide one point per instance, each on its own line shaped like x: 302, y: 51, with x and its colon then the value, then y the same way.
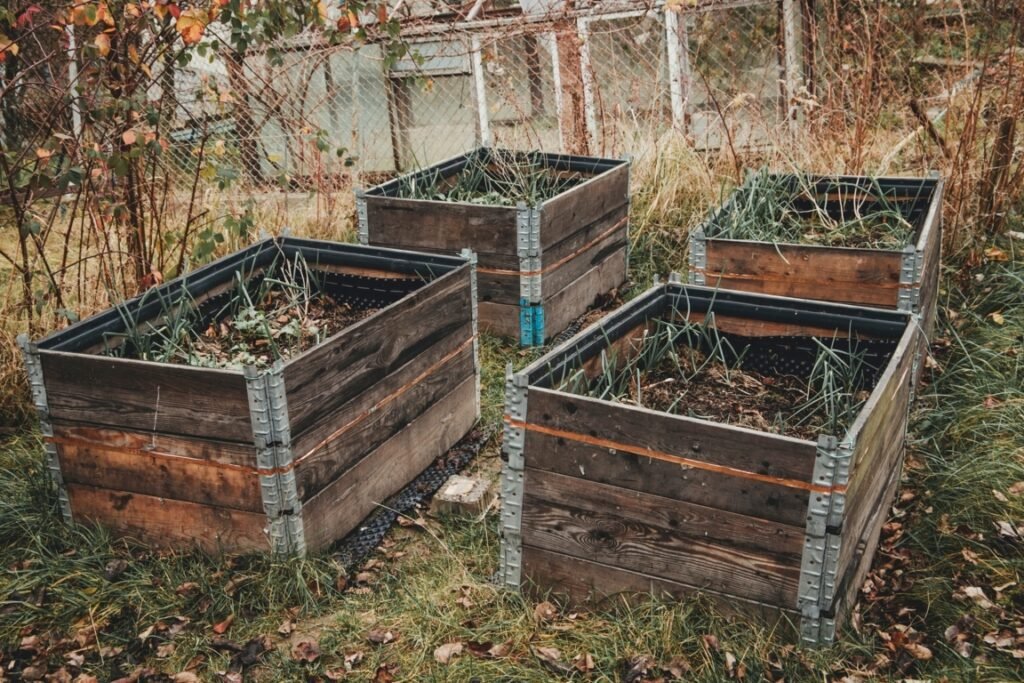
x: 739, y: 397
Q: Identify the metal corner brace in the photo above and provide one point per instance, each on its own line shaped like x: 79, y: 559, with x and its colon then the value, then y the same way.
x: 362, y: 221
x: 511, y: 560
x: 823, y: 540
x: 34, y: 368
x: 471, y: 256
x: 531, y: 308
x: 268, y: 408
x: 698, y: 257
x: 908, y: 296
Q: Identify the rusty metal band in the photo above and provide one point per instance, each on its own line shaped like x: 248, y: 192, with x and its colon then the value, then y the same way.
x: 645, y: 452
x: 559, y: 262
x: 247, y: 469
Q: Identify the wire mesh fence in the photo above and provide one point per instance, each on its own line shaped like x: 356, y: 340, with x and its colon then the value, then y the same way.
x: 319, y: 117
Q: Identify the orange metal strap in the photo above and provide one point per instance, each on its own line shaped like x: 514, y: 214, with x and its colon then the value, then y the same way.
x: 679, y: 460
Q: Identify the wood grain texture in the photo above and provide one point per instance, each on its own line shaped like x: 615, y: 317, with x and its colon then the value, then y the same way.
x: 169, y: 523
x: 584, y: 204
x: 698, y: 522
x: 166, y: 467
x: 501, y: 320
x: 582, y: 235
x: 606, y: 537
x: 341, y: 506
x: 657, y: 477
x: 144, y: 396
x: 584, y: 581
x: 339, y: 370
x: 852, y: 276
x: 565, y: 306
x: 313, y: 472
x: 440, y: 226
x: 564, y: 275
x: 765, y: 454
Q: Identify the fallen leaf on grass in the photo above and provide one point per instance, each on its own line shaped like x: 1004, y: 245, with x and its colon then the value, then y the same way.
x: 165, y: 650
x: 185, y: 677
x: 114, y: 569
x: 997, y: 318
x: 223, y: 626
x: 286, y: 627
x: 488, y: 650
x: 996, y: 254
x: 918, y: 651
x: 551, y: 658
x: 1008, y: 530
x: 385, y: 674
x: 250, y: 653
x: 583, y: 663
x: 544, y: 612
x: 976, y: 595
x: 306, y: 651
x: 711, y: 642
x: 380, y: 636
x: 1016, y: 489
x: 444, y: 653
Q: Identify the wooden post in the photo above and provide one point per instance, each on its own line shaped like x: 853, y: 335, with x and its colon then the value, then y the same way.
x: 570, y: 84
x: 483, y: 123
x: 587, y: 78
x: 677, y: 40
x: 792, y: 30
x: 551, y: 44
x: 400, y: 116
x: 533, y: 73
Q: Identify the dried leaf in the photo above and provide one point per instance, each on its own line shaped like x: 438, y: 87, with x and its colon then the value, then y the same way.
x: 379, y: 636
x: 444, y: 653
x: 102, y: 43
x: 185, y: 677
x: 1016, y: 489
x: 191, y: 24
x: 918, y: 651
x: 545, y: 612
x: 997, y: 318
x: 286, y: 627
x: 223, y: 626
x: 306, y: 651
x: 711, y: 642
x: 384, y: 674
x: 551, y: 657
x: 977, y: 595
x: 996, y: 254
x: 583, y: 662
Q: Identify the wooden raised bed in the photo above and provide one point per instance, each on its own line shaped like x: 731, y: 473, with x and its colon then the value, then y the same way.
x: 600, y: 497
x: 541, y: 266
x: 903, y: 279
x: 289, y: 458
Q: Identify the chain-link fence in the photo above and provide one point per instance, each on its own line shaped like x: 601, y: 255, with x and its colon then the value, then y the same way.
x: 316, y: 117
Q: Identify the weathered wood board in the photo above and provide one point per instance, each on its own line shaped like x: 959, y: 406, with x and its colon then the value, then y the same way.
x: 600, y: 498
x: 540, y: 267
x: 289, y: 458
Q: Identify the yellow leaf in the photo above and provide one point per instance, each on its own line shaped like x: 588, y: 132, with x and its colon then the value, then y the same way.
x: 103, y: 14
x: 133, y: 54
x: 102, y: 43
x: 997, y: 318
x: 132, y: 10
x: 42, y: 153
x: 129, y: 137
x: 86, y: 14
x: 7, y: 47
x: 996, y: 254
x: 191, y: 24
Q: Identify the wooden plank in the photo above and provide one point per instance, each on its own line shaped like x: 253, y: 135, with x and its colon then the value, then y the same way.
x: 699, y: 522
x: 332, y: 374
x: 582, y: 205
x: 212, y: 450
x: 440, y: 226
x: 643, y: 547
x: 169, y: 523
x: 758, y: 454
x: 584, y: 235
x: 498, y: 287
x: 501, y: 320
x: 564, y: 307
x: 179, y: 469
x: 340, y: 507
x: 612, y: 245
x: 317, y: 468
x: 930, y: 246
x: 144, y: 396
x: 747, y: 327
x: 852, y: 276
x: 585, y: 581
x: 769, y: 502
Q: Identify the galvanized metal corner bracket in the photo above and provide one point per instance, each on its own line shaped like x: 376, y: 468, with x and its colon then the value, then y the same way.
x: 268, y: 410
x: 362, y: 221
x: 823, y: 539
x: 471, y: 256
x: 698, y: 257
x: 511, y: 557
x: 531, y: 317
x: 34, y: 369
x: 908, y: 296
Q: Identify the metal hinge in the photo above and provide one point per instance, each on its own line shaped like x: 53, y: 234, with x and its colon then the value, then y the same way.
x: 531, y: 323
x: 362, y: 221
x: 528, y: 251
x: 908, y: 297
x: 34, y: 368
x: 268, y: 409
x: 823, y: 540
x: 698, y: 257
x: 511, y: 562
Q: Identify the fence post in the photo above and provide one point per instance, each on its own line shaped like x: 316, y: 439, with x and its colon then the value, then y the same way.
x: 570, y: 79
x: 587, y: 77
x: 480, y: 94
x: 677, y: 40
x: 792, y: 29
x: 551, y: 44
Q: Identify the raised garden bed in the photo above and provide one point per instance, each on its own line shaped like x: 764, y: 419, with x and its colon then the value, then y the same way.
x: 268, y: 401
x: 741, y: 445
x: 849, y: 239
x: 551, y: 231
